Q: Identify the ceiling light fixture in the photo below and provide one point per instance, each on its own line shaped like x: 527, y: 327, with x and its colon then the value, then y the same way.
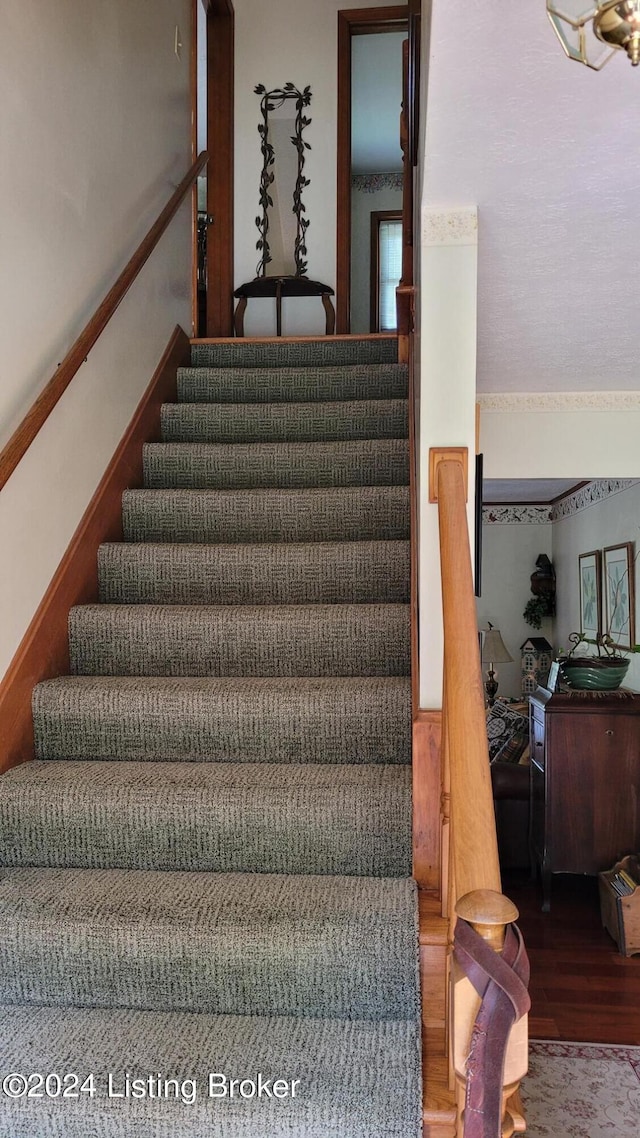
x: 592, y: 33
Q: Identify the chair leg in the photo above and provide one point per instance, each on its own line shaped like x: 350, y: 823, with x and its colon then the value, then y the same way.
x: 238, y: 318
x: 330, y: 314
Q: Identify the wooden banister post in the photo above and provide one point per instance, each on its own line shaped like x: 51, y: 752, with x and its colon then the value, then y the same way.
x: 489, y: 913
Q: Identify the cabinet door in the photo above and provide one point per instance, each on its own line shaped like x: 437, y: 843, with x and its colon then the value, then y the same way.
x: 594, y: 793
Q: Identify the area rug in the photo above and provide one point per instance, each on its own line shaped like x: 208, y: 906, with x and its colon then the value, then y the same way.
x: 582, y: 1090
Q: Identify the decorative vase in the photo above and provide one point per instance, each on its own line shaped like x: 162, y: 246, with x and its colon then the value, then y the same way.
x: 594, y: 673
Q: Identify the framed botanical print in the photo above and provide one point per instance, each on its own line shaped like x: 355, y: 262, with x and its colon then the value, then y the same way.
x: 590, y: 572
x: 619, y: 594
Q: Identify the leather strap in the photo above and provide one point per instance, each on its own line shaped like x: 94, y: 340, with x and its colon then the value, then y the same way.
x: 501, y: 980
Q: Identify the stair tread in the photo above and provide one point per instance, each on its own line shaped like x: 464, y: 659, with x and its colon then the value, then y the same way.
x: 202, y: 465
x: 253, y: 573
x: 219, y: 817
x: 336, y: 513
x: 346, y: 419
x: 345, y: 1090
x: 292, y: 384
x: 295, y: 353
x: 259, y: 640
x: 223, y: 943
x: 272, y: 719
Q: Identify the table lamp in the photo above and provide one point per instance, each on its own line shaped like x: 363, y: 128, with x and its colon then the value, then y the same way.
x: 493, y: 652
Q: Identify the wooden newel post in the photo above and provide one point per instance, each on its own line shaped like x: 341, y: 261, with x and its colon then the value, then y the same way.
x: 488, y: 913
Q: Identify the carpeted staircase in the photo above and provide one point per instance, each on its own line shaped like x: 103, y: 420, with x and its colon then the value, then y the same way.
x: 207, y: 871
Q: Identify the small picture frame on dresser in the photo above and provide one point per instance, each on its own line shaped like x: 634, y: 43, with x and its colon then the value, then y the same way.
x: 553, y: 677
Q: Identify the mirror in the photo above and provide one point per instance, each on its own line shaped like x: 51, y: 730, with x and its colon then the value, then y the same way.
x: 282, y: 225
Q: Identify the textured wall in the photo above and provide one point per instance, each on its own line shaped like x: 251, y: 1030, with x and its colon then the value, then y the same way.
x: 549, y: 152
x: 96, y: 134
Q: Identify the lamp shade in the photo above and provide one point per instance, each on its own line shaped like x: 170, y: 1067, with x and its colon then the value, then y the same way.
x: 493, y: 648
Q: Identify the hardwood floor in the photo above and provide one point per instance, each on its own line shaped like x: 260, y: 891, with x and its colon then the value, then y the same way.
x: 581, y: 988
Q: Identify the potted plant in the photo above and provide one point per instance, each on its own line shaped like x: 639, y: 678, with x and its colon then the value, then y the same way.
x: 602, y: 672
x: 543, y: 587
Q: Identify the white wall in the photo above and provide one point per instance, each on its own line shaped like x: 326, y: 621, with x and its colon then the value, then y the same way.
x: 613, y: 520
x: 363, y: 204
x: 509, y: 555
x: 298, y: 43
x: 566, y: 436
x: 447, y: 346
x: 96, y: 135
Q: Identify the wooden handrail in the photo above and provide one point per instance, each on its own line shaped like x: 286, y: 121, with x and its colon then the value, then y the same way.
x: 473, y: 882
x: 43, y: 405
x: 473, y: 829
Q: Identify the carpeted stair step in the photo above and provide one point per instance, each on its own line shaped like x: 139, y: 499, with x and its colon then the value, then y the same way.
x: 359, y: 719
x: 282, y: 573
x: 225, y: 944
x: 239, y: 640
x: 284, y: 422
x: 349, y: 513
x: 327, y: 352
x: 224, y: 466
x: 357, y: 1079
x: 216, y: 817
x: 292, y: 384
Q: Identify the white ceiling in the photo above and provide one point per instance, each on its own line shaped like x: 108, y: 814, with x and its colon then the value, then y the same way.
x: 550, y: 153
x: 376, y: 99
x: 520, y: 490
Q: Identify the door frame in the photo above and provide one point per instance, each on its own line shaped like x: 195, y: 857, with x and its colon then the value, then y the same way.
x: 220, y: 144
x: 351, y: 22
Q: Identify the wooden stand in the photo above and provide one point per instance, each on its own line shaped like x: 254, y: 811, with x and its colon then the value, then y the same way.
x: 620, y: 915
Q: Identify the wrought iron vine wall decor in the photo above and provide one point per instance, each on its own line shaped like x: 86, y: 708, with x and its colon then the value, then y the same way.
x: 271, y: 101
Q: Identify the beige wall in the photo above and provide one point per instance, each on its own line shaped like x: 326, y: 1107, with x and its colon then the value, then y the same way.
x: 570, y: 435
x: 96, y: 134
x: 509, y: 554
x: 613, y: 520
x: 295, y: 40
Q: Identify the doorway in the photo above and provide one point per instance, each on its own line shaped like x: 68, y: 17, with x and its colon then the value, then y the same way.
x: 370, y: 88
x: 213, y: 111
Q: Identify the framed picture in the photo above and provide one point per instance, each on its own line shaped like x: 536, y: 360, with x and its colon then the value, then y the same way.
x: 619, y: 594
x: 590, y: 572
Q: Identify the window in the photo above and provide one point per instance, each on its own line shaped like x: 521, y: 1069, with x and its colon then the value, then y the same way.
x: 386, y: 268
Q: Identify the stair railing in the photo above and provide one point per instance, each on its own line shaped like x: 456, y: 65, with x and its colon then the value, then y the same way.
x: 43, y: 405
x: 488, y: 996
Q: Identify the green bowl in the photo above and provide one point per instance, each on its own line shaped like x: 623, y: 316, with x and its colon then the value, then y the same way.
x: 594, y: 674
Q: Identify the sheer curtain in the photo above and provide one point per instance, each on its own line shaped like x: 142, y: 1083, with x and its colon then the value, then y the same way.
x: 390, y: 252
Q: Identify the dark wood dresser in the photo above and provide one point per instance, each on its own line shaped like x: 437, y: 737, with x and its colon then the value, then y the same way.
x: 585, y: 781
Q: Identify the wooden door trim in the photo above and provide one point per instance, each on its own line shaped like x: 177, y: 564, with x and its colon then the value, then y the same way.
x: 219, y: 7
x: 352, y: 21
x: 220, y: 186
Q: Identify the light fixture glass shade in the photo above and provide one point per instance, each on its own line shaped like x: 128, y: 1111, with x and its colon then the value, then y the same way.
x: 591, y: 33
x: 493, y: 648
